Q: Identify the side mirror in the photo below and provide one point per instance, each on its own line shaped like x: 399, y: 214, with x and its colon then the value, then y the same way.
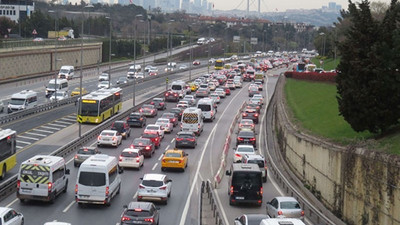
x: 67, y: 171
x: 169, y: 180
x: 141, y: 178
x: 228, y: 173
x: 125, y: 206
x: 234, y: 148
x: 120, y: 170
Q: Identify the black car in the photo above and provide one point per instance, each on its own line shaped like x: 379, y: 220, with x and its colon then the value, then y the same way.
x: 251, y: 114
x: 144, y: 144
x: 184, y: 139
x: 173, y: 118
x: 159, y: 103
x: 136, y: 120
x: 140, y: 213
x: 122, y: 127
x: 246, y: 137
x: 122, y: 80
x: 178, y: 112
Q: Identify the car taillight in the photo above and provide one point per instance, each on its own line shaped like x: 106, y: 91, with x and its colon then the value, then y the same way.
x: 147, y: 148
x: 132, y: 146
x: 302, y: 213
x: 175, y: 94
x: 49, y: 186
x: 140, y: 110
x: 18, y: 184
x: 212, y: 113
x: 256, y: 115
x: 76, y: 189
x: 240, y: 139
x: 261, y: 191
x: 252, y: 139
x: 244, y: 114
x: 125, y: 218
x: 152, y: 110
x: 166, y: 94
x: 151, y: 220
x: 161, y: 103
x: 179, y: 139
x: 163, y: 188
x: 114, y: 138
x: 280, y: 212
x: 99, y: 138
x: 198, y: 126
x: 137, y: 159
x: 231, y: 190
x: 141, y: 186
x: 76, y: 156
x: 120, y: 158
x: 191, y: 139
x: 174, y: 119
x: 238, y: 155
x: 107, y: 191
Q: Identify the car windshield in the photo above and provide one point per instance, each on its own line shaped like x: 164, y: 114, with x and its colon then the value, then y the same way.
x: 172, y: 154
x: 134, y: 116
x: 150, y: 135
x: 157, y: 100
x: 141, y: 141
x: 64, y: 71
x: 147, y: 106
x: 138, y: 213
x: 246, y: 134
x: 86, y: 151
x: 290, y: 205
x: 185, y: 135
x: 152, y: 128
x: 245, y: 149
x: 176, y: 87
x: 152, y: 183
x: 53, y: 86
x: 92, y: 179
x: 129, y: 154
x: 249, y: 180
x: 167, y: 116
x: 259, y: 162
x: 204, y: 108
x: 17, y: 101
x: 117, y: 126
x: 107, y: 133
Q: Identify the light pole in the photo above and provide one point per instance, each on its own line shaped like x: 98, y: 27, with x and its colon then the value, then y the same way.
x: 209, y: 49
x: 55, y: 53
x: 109, y: 53
x: 264, y: 37
x: 134, y: 62
x: 169, y: 45
x: 190, y: 53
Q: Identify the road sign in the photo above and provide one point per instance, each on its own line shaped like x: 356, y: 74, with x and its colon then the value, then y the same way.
x: 253, y: 41
x: 34, y: 32
x: 166, y: 80
x: 236, y: 39
x: 9, y: 30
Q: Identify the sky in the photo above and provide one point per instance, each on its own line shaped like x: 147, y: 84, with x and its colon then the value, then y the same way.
x: 278, y: 5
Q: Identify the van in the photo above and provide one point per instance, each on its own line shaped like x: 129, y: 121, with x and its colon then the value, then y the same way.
x: 23, y: 100
x: 66, y: 72
x: 56, y: 85
x: 98, y: 180
x: 208, y: 108
x: 201, y: 41
x: 281, y: 221
x: 133, y: 70
x: 179, y: 87
x: 192, y: 120
x: 245, y: 184
x: 259, y: 76
x: 42, y: 177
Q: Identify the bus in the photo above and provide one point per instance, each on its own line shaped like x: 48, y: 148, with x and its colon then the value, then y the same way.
x: 8, y: 152
x: 100, y: 105
x: 219, y: 64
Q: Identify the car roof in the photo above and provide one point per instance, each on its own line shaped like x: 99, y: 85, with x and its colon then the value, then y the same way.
x: 185, y: 132
x: 130, y: 150
x: 140, y: 205
x: 110, y: 131
x: 255, y: 156
x: 285, y: 198
x: 174, y: 150
x: 154, y: 176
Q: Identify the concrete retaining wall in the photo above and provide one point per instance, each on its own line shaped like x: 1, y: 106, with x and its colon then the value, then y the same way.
x: 358, y: 185
x: 31, y: 62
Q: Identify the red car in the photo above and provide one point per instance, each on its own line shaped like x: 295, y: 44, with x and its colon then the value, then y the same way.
x: 153, y: 74
x: 144, y: 144
x: 154, y: 137
x: 227, y: 90
x: 196, y: 62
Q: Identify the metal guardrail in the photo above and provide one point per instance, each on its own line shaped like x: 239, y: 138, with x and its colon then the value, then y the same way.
x: 46, y: 42
x: 206, y: 188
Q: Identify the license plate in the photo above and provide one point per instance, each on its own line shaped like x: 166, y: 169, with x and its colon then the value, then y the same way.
x: 137, y: 222
x: 174, y: 161
x: 26, y: 190
x: 240, y: 198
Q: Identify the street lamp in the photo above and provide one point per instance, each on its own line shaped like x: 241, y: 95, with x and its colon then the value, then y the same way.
x: 264, y: 37
x: 323, y: 47
x: 55, y: 53
x: 190, y: 52
x: 109, y: 54
x: 169, y: 44
x: 209, y: 50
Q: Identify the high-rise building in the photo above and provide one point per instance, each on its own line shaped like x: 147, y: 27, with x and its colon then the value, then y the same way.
x: 197, y: 3
x: 332, y: 5
x: 204, y: 5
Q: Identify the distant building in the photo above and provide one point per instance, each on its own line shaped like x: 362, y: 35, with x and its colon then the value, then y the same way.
x: 204, y: 5
x: 338, y: 7
x: 17, y: 10
x: 185, y: 5
x: 197, y: 3
x: 332, y: 5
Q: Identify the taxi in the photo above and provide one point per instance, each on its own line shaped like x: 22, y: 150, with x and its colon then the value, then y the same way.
x: 193, y: 86
x: 76, y: 92
x: 174, y: 159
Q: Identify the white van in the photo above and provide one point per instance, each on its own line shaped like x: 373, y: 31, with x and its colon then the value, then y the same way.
x: 57, y: 223
x: 98, y: 180
x: 279, y: 221
x: 133, y: 70
x: 192, y: 120
x: 42, y: 177
x: 179, y: 87
x: 201, y: 41
x: 66, y: 72
x: 208, y: 108
x: 23, y: 100
x: 59, y: 85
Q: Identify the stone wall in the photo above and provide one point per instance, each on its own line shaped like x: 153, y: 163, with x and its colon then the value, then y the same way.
x: 360, y: 186
x: 32, y: 62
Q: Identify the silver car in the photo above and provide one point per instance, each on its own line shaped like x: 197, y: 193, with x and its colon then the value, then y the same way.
x: 84, y: 153
x: 154, y: 187
x: 287, y: 207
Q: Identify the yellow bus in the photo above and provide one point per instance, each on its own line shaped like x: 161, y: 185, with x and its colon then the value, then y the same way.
x: 8, y: 151
x: 100, y: 105
x: 219, y: 64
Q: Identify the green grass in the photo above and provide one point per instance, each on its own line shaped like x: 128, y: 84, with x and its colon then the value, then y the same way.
x: 329, y: 63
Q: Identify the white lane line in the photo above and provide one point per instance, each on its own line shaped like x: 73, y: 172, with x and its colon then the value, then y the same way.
x: 63, y: 122
x: 154, y: 167
x: 11, y: 203
x: 57, y: 125
x: 172, y: 141
x: 70, y: 119
x: 51, y: 128
x: 44, y: 131
x: 24, y: 142
x: 167, y: 148
x: 186, y: 208
x: 70, y: 160
x: 69, y: 206
x: 31, y: 138
x: 159, y: 158
x: 135, y: 196
x: 35, y: 134
x: 19, y: 147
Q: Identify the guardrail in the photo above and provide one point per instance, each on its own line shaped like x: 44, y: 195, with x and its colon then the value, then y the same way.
x: 206, y: 189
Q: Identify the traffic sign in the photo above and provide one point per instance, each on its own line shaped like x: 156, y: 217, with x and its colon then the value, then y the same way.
x: 34, y: 32
x: 166, y: 80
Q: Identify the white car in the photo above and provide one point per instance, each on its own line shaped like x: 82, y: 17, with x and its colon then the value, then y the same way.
x: 138, y: 75
x: 238, y: 84
x: 104, y: 76
x: 258, y: 96
x: 190, y: 99
x: 183, y: 67
x: 9, y: 216
x: 104, y: 84
x: 60, y: 96
x: 216, y: 97
x: 242, y: 150
x: 183, y: 104
x: 109, y: 137
x: 132, y: 158
x: 165, y: 124
x: 220, y: 92
x: 154, y: 128
x: 154, y: 187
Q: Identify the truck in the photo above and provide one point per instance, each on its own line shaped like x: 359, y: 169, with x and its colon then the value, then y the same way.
x: 66, y: 32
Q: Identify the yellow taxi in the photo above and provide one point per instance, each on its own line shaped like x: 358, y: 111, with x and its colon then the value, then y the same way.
x: 193, y: 87
x: 174, y: 159
x: 77, y: 92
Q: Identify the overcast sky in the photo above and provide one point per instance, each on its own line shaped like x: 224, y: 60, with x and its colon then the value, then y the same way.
x: 280, y: 5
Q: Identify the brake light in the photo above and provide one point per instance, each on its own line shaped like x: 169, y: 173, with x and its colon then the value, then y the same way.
x: 49, y: 186
x: 140, y: 110
x: 125, y: 218
x: 147, y: 148
x: 256, y: 115
x: 99, y: 138
x: 161, y: 103
x: 174, y: 119
x: 302, y: 213
x: 114, y: 138
x: 132, y: 146
x: 152, y: 103
x: 244, y: 114
x: 141, y: 186
x: 261, y: 191
x: 240, y: 139
x: 76, y: 189
x: 18, y: 184
x: 179, y: 139
x: 198, y: 126
x: 76, y: 156
x: 137, y: 159
x: 156, y: 139
x: 107, y: 191
x: 280, y: 213
x: 163, y: 188
x: 191, y: 139
x: 175, y: 94
x: 238, y: 155
x: 152, y: 110
x: 252, y: 139
x: 231, y: 190
x: 151, y: 220
x: 120, y: 158
x: 166, y: 94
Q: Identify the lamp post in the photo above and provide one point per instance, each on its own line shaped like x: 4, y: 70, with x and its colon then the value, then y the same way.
x: 209, y: 49
x: 190, y: 53
x: 55, y: 53
x: 264, y: 37
x: 109, y: 53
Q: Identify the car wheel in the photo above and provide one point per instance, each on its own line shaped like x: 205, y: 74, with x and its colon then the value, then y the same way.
x: 169, y: 194
x: 162, y: 169
x: 22, y: 221
x: 119, y: 189
x: 66, y: 187
x: 3, y: 173
x: 166, y: 202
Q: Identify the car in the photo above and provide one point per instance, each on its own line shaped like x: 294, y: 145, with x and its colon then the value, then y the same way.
x: 62, y: 38
x: 212, y: 86
x: 104, y: 84
x: 185, y: 138
x: 287, y: 207
x: 84, y: 153
x: 253, y: 105
x: 227, y: 90
x: 76, y: 91
x: 140, y: 213
x: 238, y: 84
x: 139, y: 75
x: 193, y: 86
x: 202, y: 92
x: 154, y: 128
x: 242, y: 150
x: 136, y: 119
x: 250, y: 219
x: 230, y: 84
x: 148, y: 110
x: 153, y: 73
x: 132, y: 158
x: 122, y: 80
x: 122, y: 127
x: 190, y: 99
x: 159, y: 103
x: 165, y: 124
x: 221, y: 92
x: 153, y: 69
x: 196, y: 62
x: 183, y: 67
x: 253, y: 90
x: 246, y: 137
x: 259, y: 96
x: 251, y: 114
x: 216, y: 97
x: 154, y: 137
x: 147, y: 68
x: 177, y: 111
x: 246, y: 124
x: 38, y: 39
x: 109, y: 137
x: 183, y: 104
x: 143, y: 144
x: 172, y: 117
x: 59, y: 95
x: 174, y: 159
x: 260, y: 161
x: 171, y: 96
x: 256, y: 101
x: 9, y: 216
x: 104, y: 77
x: 154, y: 187
x: 260, y: 85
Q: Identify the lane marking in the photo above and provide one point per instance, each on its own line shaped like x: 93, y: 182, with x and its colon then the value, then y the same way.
x: 44, y: 131
x: 159, y: 158
x: 11, y: 203
x: 167, y: 148
x: 51, y: 128
x: 62, y: 122
x: 24, y: 142
x: 70, y: 119
x: 40, y: 135
x: 57, y: 125
x: 135, y: 195
x: 69, y: 161
x: 36, y: 139
x: 154, y: 167
x: 172, y: 141
x: 19, y: 147
x: 69, y: 206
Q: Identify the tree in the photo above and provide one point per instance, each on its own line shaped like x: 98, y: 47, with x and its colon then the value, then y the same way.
x: 5, y: 24
x: 368, y: 91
